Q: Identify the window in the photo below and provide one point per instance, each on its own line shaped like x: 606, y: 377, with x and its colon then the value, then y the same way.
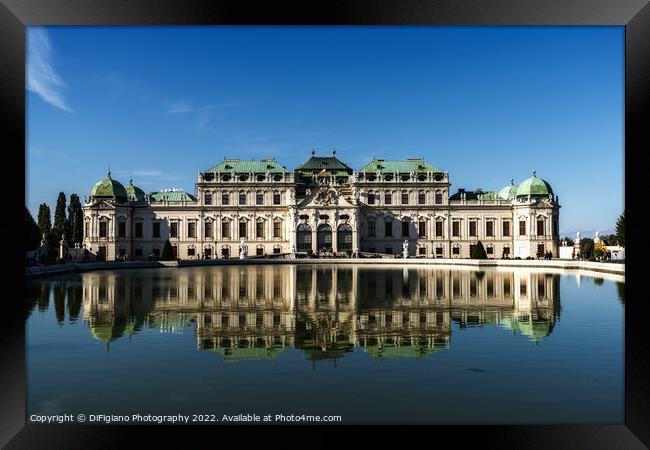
x: 506, y: 228
x: 438, y: 198
x: 156, y: 229
x: 540, y: 228
x: 138, y: 229
x: 191, y: 251
x: 389, y: 228
x: 439, y: 228
x: 191, y: 229
x: 472, y: 228
x: 439, y: 251
x: 405, y: 228
x: 259, y: 198
x: 173, y: 229
x: 225, y: 229
x: 422, y: 198
x: 489, y: 250
x: 276, y: 251
x: 208, y: 230
x: 242, y: 229
x: 121, y: 229
x: 86, y: 228
x: 388, y: 199
x: 422, y: 251
x: 405, y: 198
x: 259, y: 229
x: 422, y: 228
x: 455, y: 251
x: 489, y: 228
x: 372, y: 228
x: 455, y: 228
x: 259, y: 251
x: 208, y: 198
x: 225, y: 199
x: 276, y: 199
x: 371, y: 199
x: 102, y: 229
x: 242, y: 198
x: 138, y: 252
x: 276, y: 229
x: 522, y: 227
x: 506, y: 252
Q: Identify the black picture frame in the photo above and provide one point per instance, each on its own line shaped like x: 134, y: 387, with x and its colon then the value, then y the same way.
x: 15, y: 15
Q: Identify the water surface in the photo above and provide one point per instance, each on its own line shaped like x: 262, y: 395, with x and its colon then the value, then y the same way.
x: 372, y: 345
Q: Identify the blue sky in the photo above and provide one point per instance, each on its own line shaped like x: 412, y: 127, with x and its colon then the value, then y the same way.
x: 486, y: 104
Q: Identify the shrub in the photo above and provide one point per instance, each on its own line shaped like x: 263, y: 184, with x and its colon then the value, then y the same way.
x: 348, y: 253
x: 167, y: 252
x: 479, y: 251
x: 591, y: 258
x: 517, y: 257
x: 309, y: 253
x: 529, y: 257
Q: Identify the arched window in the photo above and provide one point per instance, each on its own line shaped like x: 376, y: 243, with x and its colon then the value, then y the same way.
x: 324, y: 237
x: 303, y: 237
x: 344, y: 237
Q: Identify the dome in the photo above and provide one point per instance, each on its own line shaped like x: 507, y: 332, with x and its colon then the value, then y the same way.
x: 134, y: 193
x: 534, y: 186
x: 109, y: 188
x: 509, y: 192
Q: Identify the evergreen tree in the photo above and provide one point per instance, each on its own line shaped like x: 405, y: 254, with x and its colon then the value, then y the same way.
x: 620, y: 230
x: 44, y: 219
x: 59, y: 216
x: 569, y: 241
x: 167, y: 253
x: 32, y: 233
x: 75, y: 220
x: 479, y: 251
x: 586, y: 247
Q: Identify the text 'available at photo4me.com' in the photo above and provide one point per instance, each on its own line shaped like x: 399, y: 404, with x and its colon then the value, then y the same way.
x: 182, y: 419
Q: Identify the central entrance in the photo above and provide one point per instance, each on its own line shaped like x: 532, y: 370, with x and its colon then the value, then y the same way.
x: 344, y: 238
x: 324, y: 238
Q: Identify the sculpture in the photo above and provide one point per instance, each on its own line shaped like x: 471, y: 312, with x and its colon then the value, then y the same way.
x: 405, y: 248
x: 242, y: 250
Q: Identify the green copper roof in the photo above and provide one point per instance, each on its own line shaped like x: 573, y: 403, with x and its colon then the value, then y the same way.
x: 473, y: 195
x: 331, y: 164
x: 237, y: 166
x: 134, y: 193
x: 402, y: 166
x: 109, y: 188
x: 171, y: 196
x: 536, y: 330
x: 534, y: 186
x: 509, y: 192
x: 235, y: 354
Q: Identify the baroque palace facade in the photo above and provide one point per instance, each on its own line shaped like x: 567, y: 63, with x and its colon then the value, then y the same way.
x: 324, y: 206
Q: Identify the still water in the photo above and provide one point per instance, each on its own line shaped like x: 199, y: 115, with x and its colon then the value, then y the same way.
x: 372, y: 345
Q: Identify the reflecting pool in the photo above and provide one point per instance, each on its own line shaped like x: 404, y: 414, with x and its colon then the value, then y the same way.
x: 387, y: 344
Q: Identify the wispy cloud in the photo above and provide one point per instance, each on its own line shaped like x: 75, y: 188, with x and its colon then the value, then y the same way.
x: 37, y: 151
x: 41, y: 76
x: 184, y: 107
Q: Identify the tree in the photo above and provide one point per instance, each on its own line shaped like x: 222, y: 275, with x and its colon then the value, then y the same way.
x: 60, y: 220
x: 610, y: 239
x: 569, y: 241
x: 479, y: 251
x: 600, y: 250
x: 620, y: 230
x: 32, y: 233
x: 75, y: 219
x: 586, y: 247
x: 167, y: 252
x: 44, y: 219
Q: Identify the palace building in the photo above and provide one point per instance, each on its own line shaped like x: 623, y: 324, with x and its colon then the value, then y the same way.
x: 324, y: 206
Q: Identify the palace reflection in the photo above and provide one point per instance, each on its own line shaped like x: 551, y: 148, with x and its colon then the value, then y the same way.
x: 256, y: 312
